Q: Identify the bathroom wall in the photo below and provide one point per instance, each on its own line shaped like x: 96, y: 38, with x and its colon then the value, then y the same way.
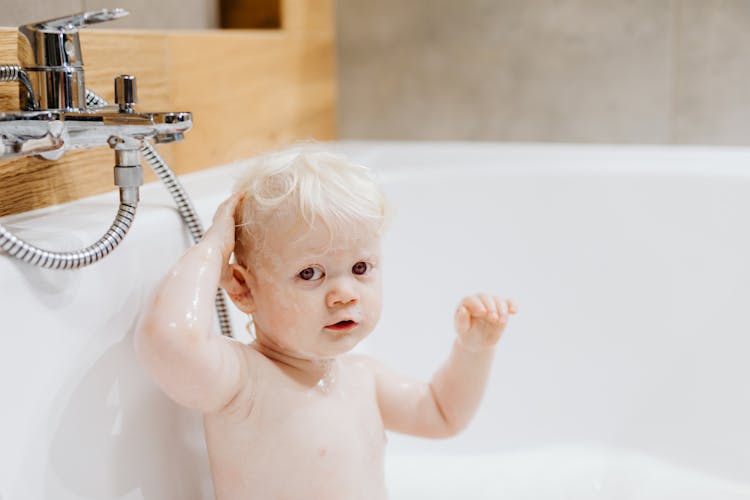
x: 637, y: 71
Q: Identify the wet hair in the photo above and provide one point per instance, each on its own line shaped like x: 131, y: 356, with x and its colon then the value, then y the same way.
x: 299, y: 186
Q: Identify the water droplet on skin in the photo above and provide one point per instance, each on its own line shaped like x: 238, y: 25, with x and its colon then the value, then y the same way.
x: 326, y: 382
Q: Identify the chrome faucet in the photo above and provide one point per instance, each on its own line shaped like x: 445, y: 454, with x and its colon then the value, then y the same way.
x: 55, y: 115
x: 50, y: 54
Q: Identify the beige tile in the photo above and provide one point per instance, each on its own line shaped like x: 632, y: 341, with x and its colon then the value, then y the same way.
x: 18, y: 12
x: 540, y: 70
x: 161, y: 14
x: 712, y: 72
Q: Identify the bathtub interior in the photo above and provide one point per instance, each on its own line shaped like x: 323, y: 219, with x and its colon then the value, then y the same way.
x: 629, y: 265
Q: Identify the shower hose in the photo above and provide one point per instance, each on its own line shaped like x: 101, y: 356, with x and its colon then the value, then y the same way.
x: 31, y: 254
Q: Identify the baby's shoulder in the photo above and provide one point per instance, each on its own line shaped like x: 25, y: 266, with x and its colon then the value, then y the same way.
x: 255, y: 357
x: 257, y: 367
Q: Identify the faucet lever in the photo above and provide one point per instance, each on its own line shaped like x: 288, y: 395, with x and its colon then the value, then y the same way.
x: 80, y: 20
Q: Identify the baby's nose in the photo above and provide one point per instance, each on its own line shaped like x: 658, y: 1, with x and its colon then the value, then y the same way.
x: 341, y: 296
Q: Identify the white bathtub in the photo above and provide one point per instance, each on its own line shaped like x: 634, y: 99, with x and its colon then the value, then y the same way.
x: 625, y: 375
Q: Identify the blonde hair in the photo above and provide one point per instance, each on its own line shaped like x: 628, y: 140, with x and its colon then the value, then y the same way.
x: 302, y: 185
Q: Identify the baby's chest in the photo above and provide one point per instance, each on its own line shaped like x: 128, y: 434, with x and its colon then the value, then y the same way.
x: 341, y: 421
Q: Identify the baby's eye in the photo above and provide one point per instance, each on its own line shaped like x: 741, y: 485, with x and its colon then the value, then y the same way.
x: 311, y: 274
x: 361, y: 268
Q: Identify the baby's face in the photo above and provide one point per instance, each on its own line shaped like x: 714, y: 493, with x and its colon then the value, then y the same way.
x: 314, y: 299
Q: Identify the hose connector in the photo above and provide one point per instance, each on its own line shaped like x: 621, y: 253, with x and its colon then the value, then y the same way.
x: 128, y: 174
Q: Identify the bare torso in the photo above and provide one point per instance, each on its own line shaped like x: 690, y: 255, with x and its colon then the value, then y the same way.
x: 287, y: 437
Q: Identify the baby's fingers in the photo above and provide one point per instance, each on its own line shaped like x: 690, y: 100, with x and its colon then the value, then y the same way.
x: 492, y: 313
x: 227, y: 208
x: 502, y: 309
x: 512, y: 306
x: 475, y: 306
x: 462, y: 319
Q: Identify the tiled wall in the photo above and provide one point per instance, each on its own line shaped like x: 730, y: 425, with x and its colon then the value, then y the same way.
x: 621, y: 71
x: 636, y: 71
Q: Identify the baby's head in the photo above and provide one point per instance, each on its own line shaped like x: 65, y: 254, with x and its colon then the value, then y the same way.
x: 301, y: 189
x: 307, y: 251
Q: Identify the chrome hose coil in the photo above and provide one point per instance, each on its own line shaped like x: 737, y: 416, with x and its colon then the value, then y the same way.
x: 13, y: 73
x: 184, y: 206
x: 16, y: 247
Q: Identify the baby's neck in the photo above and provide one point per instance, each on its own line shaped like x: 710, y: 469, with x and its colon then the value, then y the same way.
x: 308, y: 371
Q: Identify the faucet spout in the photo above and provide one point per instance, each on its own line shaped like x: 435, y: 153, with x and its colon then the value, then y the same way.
x: 29, y: 133
x: 51, y: 133
x: 94, y: 127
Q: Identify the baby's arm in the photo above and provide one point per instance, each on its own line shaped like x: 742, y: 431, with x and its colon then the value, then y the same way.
x: 446, y: 404
x: 172, y: 340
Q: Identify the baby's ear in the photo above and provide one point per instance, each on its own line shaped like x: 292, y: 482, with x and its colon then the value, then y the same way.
x: 236, y: 282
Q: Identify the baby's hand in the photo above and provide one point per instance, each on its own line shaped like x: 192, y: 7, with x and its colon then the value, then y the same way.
x: 480, y: 320
x: 221, y: 233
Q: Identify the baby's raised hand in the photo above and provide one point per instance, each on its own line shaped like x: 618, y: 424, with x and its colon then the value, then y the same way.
x: 221, y: 232
x: 480, y: 320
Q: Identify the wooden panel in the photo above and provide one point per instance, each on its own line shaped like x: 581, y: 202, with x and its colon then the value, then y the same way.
x: 140, y: 53
x: 262, y: 92
x: 245, y: 14
x: 249, y: 91
x: 308, y: 17
x: 8, y: 50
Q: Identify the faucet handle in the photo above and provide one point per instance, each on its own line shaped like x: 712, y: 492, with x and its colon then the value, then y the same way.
x: 73, y: 22
x: 125, y: 92
x: 54, y: 43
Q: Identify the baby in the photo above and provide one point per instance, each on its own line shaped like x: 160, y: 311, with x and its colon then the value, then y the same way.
x: 292, y: 415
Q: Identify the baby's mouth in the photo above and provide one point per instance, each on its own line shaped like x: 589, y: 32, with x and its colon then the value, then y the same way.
x: 342, y: 325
